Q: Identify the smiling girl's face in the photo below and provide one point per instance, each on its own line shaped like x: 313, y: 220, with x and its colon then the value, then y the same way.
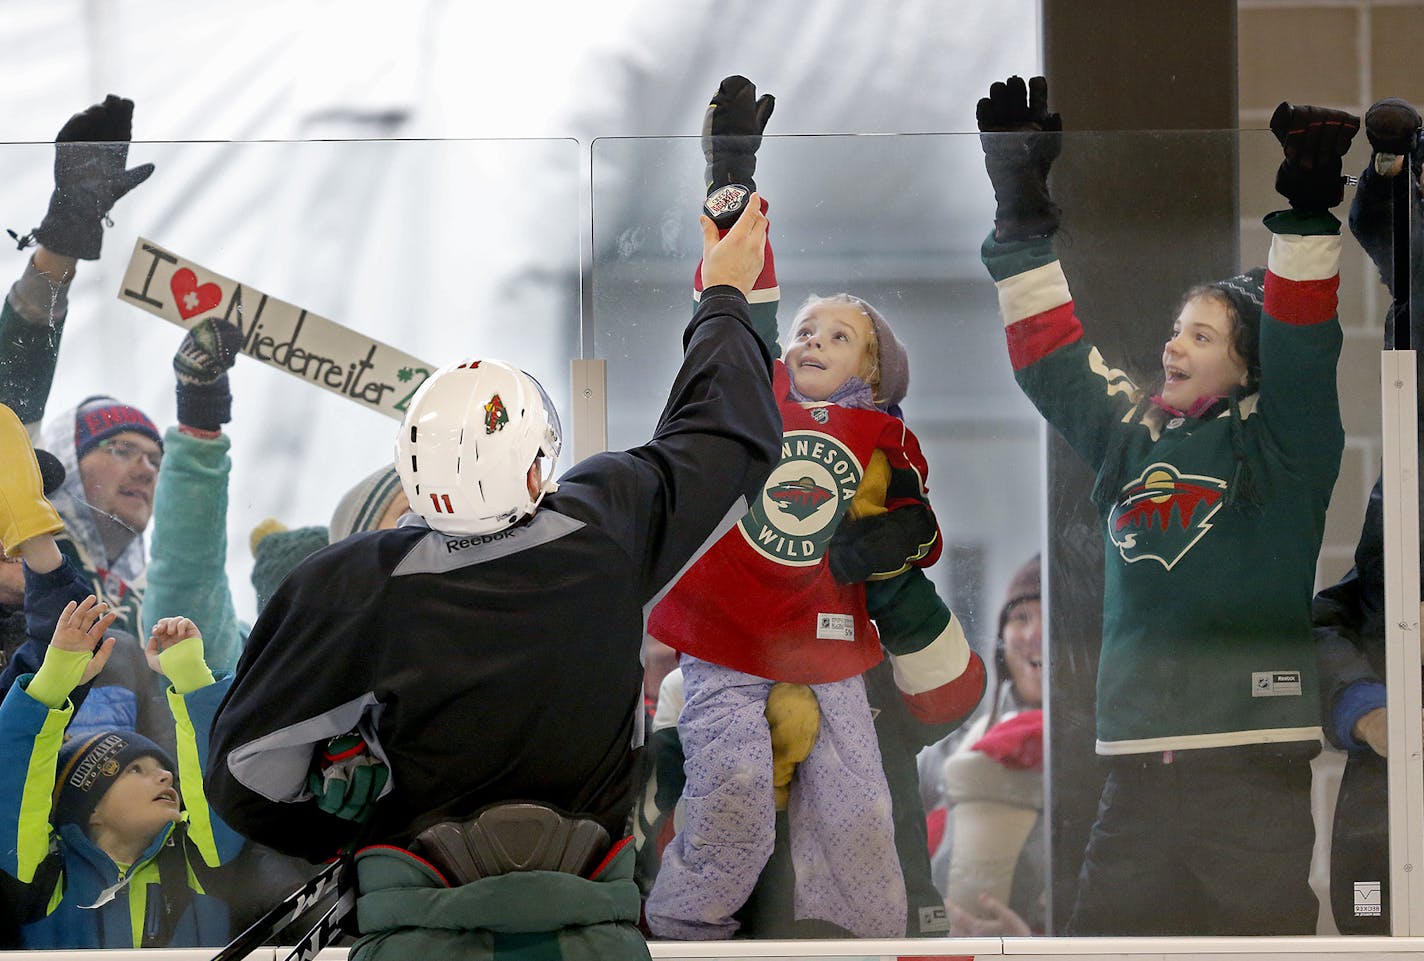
x: 1200, y: 358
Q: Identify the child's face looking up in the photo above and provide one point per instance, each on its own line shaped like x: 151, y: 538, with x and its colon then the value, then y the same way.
x: 1200, y: 358
x: 139, y: 803
x: 830, y: 343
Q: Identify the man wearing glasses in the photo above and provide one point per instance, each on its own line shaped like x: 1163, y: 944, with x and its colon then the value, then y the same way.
x: 110, y: 453
x: 106, y: 499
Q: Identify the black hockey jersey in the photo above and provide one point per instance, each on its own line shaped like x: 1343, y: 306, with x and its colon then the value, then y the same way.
x: 499, y: 667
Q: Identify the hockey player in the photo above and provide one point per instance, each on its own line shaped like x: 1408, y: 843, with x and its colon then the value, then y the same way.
x: 486, y: 652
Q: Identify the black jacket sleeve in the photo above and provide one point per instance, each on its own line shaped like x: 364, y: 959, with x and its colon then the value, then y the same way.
x: 718, y: 438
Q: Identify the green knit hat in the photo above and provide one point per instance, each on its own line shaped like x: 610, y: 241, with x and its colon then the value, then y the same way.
x: 278, y: 550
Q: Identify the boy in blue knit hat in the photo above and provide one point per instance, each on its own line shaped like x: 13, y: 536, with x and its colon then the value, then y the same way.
x: 110, y: 852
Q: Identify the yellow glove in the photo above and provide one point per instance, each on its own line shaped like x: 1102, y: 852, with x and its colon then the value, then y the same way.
x: 794, y: 716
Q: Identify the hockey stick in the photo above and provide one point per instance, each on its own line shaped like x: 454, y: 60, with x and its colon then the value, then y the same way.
x: 328, y: 879
x: 330, y: 924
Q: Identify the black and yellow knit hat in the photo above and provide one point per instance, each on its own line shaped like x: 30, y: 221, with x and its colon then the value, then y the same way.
x: 88, y: 767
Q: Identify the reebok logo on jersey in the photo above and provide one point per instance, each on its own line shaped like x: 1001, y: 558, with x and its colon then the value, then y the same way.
x: 453, y: 544
x: 1276, y: 684
x: 1163, y: 513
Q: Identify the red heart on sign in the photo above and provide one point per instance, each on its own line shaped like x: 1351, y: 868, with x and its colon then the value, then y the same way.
x: 191, y: 297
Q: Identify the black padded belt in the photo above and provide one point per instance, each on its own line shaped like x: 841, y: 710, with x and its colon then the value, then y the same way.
x: 513, y: 837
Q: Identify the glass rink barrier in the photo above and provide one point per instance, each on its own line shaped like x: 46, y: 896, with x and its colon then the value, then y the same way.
x: 1079, y: 613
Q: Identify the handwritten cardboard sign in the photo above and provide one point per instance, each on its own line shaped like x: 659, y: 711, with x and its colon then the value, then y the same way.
x: 279, y: 334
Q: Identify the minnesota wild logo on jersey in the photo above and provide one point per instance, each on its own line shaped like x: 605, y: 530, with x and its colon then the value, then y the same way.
x: 803, y: 500
x: 800, y: 498
x: 1163, y: 513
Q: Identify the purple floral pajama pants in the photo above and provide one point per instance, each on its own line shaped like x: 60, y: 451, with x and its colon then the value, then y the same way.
x: 842, y: 837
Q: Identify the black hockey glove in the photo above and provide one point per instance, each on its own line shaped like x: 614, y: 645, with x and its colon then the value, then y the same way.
x: 1021, y: 139
x: 90, y: 154
x: 881, y: 544
x: 731, y: 134
x: 1315, y: 139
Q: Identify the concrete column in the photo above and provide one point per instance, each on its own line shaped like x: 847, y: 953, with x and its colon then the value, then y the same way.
x: 1147, y: 215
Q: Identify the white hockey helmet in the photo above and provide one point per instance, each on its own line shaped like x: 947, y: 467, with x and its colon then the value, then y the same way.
x: 464, y: 449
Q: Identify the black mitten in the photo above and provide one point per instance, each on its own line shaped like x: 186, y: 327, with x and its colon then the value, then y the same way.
x: 731, y: 134
x: 880, y: 544
x: 1020, y: 139
x: 1392, y: 126
x: 90, y: 154
x: 1315, y: 140
x: 200, y: 366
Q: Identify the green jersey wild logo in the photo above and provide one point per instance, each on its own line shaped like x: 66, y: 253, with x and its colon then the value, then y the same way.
x: 803, y: 500
x: 1163, y: 513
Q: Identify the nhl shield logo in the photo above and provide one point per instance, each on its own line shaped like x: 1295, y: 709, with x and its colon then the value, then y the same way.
x: 803, y: 500
x: 1163, y: 513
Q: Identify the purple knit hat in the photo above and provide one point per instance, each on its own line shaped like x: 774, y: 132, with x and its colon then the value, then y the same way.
x: 894, y: 359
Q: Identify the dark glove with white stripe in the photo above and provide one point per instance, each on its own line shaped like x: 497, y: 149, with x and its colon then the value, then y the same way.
x: 200, y: 368
x: 1392, y: 126
x: 882, y: 544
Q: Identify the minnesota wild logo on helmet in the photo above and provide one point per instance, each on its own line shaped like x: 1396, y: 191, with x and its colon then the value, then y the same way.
x: 1163, y: 513
x: 496, y: 416
x: 803, y: 500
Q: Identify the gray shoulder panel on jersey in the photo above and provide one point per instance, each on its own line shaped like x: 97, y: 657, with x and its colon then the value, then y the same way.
x: 437, y: 553
x: 275, y: 765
